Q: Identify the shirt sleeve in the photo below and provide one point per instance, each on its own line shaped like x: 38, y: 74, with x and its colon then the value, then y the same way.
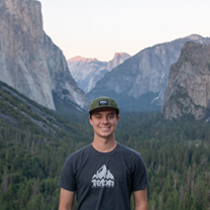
x: 139, y: 176
x: 68, y: 178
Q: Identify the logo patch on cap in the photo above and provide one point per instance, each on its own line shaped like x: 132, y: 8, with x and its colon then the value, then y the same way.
x: 103, y: 102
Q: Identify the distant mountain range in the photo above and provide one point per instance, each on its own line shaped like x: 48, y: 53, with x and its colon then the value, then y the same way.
x: 172, y: 76
x: 87, y: 72
x: 139, y: 83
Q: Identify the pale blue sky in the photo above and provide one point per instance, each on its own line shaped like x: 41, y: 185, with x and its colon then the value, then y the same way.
x: 99, y: 28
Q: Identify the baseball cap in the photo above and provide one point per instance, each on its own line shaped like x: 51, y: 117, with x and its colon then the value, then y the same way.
x: 103, y: 102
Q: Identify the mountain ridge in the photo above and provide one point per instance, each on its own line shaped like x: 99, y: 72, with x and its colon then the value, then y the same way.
x: 87, y: 71
x: 140, y: 82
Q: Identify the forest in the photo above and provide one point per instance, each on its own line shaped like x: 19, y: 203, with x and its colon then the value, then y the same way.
x: 176, y: 154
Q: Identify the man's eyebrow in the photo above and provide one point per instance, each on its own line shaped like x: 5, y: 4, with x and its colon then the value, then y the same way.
x: 97, y: 113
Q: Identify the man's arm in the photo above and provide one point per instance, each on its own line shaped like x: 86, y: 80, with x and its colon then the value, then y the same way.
x: 140, y: 199
x: 66, y: 200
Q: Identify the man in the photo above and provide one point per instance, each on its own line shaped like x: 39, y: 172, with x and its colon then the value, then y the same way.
x: 105, y: 173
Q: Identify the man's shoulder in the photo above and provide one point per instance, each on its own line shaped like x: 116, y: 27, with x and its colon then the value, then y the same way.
x: 129, y: 153
x: 131, y: 157
x: 80, y: 152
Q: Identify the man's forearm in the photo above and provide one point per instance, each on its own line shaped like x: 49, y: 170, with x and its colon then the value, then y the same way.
x: 66, y: 200
x: 140, y: 199
x: 142, y: 206
x: 64, y: 208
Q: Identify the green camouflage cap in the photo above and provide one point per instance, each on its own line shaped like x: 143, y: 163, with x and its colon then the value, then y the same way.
x: 103, y: 102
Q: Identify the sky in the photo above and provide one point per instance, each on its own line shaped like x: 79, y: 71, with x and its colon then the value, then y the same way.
x: 99, y: 28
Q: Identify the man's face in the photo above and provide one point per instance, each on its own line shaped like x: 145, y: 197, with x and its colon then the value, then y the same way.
x: 104, y: 122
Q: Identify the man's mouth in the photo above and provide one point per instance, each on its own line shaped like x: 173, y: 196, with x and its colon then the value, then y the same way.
x: 105, y: 128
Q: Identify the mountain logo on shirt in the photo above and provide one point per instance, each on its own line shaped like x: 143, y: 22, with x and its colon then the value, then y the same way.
x: 103, y: 178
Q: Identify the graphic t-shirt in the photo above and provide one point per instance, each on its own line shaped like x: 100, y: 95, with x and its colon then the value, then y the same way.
x: 104, y: 180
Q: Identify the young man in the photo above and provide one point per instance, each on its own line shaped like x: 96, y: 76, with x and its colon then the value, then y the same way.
x: 105, y: 173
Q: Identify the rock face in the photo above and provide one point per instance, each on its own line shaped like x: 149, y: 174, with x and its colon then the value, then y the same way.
x: 140, y: 82
x: 188, y: 89
x: 118, y: 59
x: 87, y: 72
x: 29, y: 61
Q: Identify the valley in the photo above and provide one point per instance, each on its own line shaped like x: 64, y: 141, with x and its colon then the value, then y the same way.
x: 163, y: 96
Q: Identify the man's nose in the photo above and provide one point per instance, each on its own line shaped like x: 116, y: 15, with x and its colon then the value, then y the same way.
x: 105, y: 119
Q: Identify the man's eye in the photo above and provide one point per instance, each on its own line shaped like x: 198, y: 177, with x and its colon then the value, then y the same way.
x: 111, y: 116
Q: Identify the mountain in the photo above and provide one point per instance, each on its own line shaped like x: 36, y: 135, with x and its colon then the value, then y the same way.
x: 140, y: 82
x: 87, y: 72
x: 188, y: 90
x: 118, y: 59
x: 30, y: 62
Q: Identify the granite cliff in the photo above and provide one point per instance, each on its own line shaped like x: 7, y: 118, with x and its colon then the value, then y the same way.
x: 118, y: 59
x: 30, y: 62
x: 188, y: 90
x: 139, y: 83
x: 87, y: 72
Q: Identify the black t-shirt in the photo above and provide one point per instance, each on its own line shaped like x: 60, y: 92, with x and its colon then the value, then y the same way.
x: 104, y: 180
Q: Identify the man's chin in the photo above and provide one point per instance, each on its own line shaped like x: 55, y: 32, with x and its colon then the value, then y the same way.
x: 105, y: 135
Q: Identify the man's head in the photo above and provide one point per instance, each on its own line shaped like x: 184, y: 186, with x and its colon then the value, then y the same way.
x: 104, y: 117
x: 103, y: 102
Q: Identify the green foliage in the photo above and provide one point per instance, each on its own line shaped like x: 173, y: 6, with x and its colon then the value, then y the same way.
x: 33, y: 148
x: 176, y: 154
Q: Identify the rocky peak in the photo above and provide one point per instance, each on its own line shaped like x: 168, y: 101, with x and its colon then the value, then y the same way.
x: 195, y: 37
x: 118, y: 59
x: 29, y: 60
x: 188, y: 89
x: 87, y: 71
x: 81, y: 59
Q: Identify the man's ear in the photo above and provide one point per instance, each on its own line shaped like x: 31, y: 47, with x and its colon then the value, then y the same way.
x: 118, y: 117
x: 90, y: 120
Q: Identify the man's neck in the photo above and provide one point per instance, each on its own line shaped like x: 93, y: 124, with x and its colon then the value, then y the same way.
x: 104, y: 145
